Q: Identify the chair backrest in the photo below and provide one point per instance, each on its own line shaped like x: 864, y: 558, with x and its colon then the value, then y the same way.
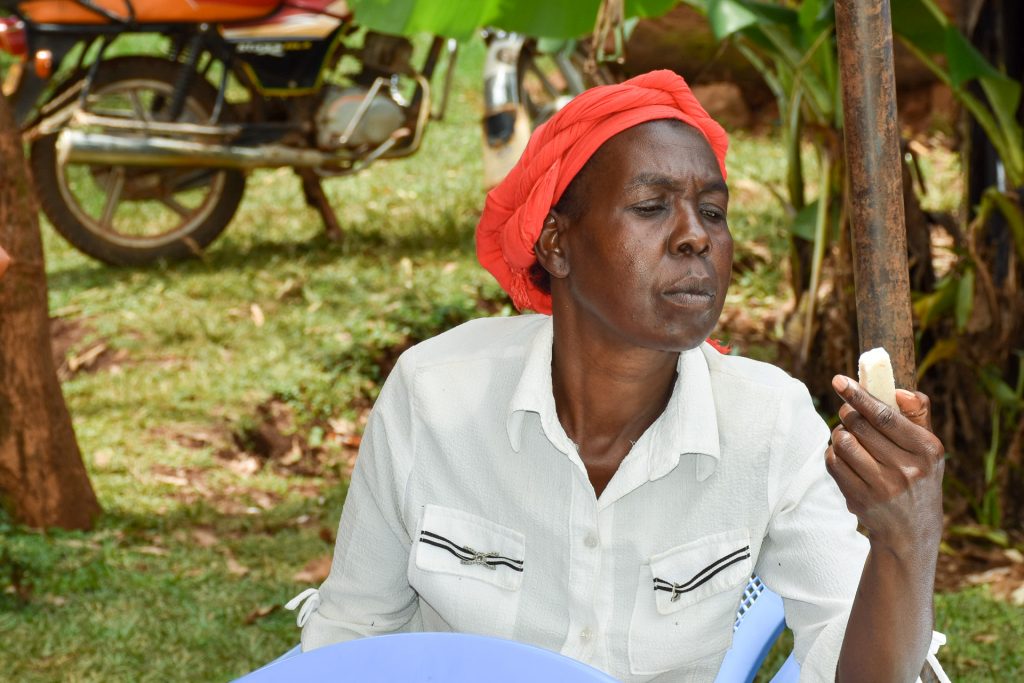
x: 422, y: 657
x: 457, y: 657
x: 760, y: 620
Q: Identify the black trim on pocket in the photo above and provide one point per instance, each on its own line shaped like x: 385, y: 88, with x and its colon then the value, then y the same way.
x: 468, y: 555
x: 703, y: 576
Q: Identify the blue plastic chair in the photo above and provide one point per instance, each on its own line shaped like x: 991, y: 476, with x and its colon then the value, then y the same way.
x: 422, y: 657
x: 760, y: 620
x: 456, y: 657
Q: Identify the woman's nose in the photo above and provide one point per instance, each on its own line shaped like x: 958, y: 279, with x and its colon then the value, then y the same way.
x: 689, y: 237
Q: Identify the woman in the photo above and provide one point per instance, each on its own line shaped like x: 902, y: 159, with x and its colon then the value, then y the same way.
x: 602, y: 483
x: 5, y: 261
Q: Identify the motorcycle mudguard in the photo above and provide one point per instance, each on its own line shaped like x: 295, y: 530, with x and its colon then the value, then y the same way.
x: 145, y: 11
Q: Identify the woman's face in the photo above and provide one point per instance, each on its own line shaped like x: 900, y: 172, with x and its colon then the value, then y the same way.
x: 649, y: 258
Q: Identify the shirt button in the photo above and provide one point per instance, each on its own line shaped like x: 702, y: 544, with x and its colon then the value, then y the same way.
x: 586, y: 634
x: 590, y: 541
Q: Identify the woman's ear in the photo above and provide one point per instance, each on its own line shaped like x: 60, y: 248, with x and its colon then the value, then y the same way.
x: 550, y: 246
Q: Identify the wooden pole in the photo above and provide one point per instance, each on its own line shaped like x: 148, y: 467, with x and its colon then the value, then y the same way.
x: 881, y: 274
x: 43, y: 481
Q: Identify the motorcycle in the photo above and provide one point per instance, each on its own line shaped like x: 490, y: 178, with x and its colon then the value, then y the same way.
x: 140, y: 158
x: 524, y: 86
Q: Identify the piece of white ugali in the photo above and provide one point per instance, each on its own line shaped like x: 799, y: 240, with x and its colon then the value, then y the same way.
x: 874, y: 373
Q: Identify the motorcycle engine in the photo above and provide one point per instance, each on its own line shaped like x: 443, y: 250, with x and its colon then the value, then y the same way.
x: 379, y: 117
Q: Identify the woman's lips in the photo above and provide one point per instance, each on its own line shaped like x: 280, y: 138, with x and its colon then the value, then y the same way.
x: 690, y: 299
x: 691, y: 292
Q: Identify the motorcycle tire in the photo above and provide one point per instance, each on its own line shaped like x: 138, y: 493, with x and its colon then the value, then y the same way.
x: 167, y: 195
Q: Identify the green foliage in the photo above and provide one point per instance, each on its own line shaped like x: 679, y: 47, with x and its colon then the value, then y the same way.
x: 793, y: 48
x: 461, y: 18
x: 932, y: 37
x: 792, y: 45
x: 948, y: 313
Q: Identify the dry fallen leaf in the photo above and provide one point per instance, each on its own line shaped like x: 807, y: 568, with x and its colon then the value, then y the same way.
x: 102, y: 458
x: 152, y: 550
x: 205, y: 538
x: 293, y: 455
x: 260, y: 612
x: 86, y: 358
x: 988, y: 576
x: 405, y: 266
x: 235, y: 567
x: 244, y: 466
x: 315, y: 571
x: 342, y: 429
x: 257, y: 315
x: 172, y: 479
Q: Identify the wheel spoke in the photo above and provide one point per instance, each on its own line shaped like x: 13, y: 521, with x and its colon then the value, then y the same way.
x: 174, y: 205
x: 137, y: 107
x: 115, y: 186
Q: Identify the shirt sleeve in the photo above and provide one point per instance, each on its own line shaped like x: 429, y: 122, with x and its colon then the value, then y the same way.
x: 367, y: 592
x: 812, y: 555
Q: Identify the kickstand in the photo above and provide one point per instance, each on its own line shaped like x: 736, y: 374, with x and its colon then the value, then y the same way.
x: 316, y: 198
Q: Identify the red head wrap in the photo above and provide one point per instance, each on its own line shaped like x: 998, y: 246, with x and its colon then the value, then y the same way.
x: 516, y: 208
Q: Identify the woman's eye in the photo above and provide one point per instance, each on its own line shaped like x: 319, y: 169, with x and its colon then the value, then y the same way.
x: 648, y: 209
x: 712, y: 213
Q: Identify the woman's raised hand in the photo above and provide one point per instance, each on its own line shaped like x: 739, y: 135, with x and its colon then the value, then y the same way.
x: 889, y: 465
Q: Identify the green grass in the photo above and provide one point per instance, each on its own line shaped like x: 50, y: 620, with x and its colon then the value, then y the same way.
x: 170, y: 584
x: 984, y: 638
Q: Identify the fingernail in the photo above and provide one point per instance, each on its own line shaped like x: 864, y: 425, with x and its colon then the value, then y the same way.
x: 907, y: 394
x: 839, y: 383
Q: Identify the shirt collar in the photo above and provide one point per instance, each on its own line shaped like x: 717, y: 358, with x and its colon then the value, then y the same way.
x: 688, y: 425
x: 534, y: 394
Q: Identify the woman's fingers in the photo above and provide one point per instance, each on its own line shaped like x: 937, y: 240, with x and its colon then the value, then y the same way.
x: 880, y: 446
x: 853, y: 487
x: 916, y: 407
x: 910, y: 432
x: 852, y: 453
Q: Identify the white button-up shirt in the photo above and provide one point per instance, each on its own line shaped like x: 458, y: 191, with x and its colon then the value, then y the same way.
x: 470, y: 510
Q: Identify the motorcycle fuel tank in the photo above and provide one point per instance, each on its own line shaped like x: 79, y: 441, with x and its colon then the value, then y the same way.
x: 146, y: 11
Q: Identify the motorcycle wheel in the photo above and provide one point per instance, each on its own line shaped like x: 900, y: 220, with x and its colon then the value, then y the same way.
x: 132, y: 215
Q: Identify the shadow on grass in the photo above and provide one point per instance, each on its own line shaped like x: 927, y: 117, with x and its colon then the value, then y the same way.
x: 411, y: 237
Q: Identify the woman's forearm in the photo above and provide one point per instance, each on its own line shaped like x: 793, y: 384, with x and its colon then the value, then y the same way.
x: 891, y: 622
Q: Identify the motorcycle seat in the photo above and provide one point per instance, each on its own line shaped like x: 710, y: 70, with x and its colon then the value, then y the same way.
x: 147, y: 11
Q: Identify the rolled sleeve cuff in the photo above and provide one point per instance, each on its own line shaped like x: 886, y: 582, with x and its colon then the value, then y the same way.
x: 822, y: 661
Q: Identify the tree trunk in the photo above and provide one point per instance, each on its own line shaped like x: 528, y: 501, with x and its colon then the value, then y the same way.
x: 43, y: 482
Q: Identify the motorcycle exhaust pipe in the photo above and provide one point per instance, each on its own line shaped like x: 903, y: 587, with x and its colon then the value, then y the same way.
x: 79, y: 147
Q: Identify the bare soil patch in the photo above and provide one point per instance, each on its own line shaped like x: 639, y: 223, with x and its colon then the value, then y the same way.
x: 78, y: 348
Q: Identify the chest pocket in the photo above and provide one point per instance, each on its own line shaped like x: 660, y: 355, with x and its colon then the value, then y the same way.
x: 686, y: 602
x: 469, y: 570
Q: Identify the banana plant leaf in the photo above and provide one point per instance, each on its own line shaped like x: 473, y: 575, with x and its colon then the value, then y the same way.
x: 462, y: 18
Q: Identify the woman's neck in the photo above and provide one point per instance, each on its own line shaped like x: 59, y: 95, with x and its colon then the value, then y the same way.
x: 607, y: 395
